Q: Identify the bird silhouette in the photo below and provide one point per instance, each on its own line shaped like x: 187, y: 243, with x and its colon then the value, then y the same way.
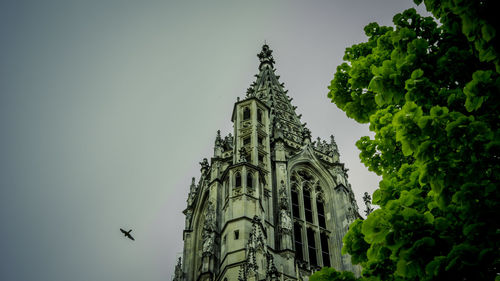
x: 127, y: 234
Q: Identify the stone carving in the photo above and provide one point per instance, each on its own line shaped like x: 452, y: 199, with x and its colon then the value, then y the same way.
x: 178, y: 271
x: 333, y: 144
x: 243, y: 155
x: 285, y: 222
x: 218, y: 139
x: 271, y: 270
x: 367, y: 198
x: 227, y: 143
x: 192, y: 193
x: 283, y: 196
x: 189, y: 215
x: 265, y: 56
x: 285, y: 226
x: 204, y: 165
x: 208, y: 234
x: 306, y: 134
x: 350, y: 215
x: 242, y: 276
x: 256, y: 243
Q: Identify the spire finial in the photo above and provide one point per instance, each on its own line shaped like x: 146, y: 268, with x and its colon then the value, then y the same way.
x: 265, y: 56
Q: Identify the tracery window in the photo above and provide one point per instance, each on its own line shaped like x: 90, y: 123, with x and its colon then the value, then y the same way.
x: 309, y: 213
x: 259, y: 115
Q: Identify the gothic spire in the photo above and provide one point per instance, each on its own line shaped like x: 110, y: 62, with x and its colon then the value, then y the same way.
x: 267, y: 88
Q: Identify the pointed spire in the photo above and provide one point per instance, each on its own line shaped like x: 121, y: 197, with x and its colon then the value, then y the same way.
x: 267, y: 88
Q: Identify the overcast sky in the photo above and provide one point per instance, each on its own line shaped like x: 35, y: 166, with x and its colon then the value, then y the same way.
x: 106, y: 108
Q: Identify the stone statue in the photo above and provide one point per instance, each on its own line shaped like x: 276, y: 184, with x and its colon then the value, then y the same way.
x: 243, y: 155
x: 283, y: 196
x: 285, y: 222
x: 208, y: 234
x: 178, y: 271
x: 204, y: 165
x: 306, y: 134
x: 367, y: 198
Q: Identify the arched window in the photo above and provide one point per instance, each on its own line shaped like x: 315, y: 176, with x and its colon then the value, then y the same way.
x: 259, y: 115
x: 309, y: 202
x: 237, y: 180
x: 249, y: 181
x: 246, y: 113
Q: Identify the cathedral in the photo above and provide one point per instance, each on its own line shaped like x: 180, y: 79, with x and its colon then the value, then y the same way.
x: 270, y: 204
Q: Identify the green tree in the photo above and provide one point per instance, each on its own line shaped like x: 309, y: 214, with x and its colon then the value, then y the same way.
x: 430, y: 92
x: 330, y: 274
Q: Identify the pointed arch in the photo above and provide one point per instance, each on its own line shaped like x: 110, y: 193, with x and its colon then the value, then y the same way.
x: 237, y: 180
x: 250, y: 184
x: 246, y: 113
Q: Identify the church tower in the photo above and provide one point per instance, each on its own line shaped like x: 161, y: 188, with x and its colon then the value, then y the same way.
x: 271, y: 204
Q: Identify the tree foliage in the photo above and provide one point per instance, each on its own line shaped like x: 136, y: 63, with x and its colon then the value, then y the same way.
x: 430, y: 93
x: 330, y: 274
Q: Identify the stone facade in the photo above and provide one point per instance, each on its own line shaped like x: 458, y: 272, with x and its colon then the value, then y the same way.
x: 271, y: 204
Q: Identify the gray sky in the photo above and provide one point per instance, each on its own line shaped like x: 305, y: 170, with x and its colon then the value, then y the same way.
x: 106, y: 108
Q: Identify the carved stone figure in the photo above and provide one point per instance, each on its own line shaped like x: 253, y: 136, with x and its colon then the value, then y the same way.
x: 243, y: 155
x: 306, y: 134
x: 178, y: 271
x: 283, y: 196
x: 285, y: 222
x: 208, y: 230
x: 204, y: 165
x: 368, y: 199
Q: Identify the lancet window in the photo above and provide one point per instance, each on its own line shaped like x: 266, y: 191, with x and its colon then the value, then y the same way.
x: 237, y: 180
x: 246, y: 113
x: 249, y: 181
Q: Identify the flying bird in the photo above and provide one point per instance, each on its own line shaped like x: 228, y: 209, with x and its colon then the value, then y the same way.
x: 127, y: 234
